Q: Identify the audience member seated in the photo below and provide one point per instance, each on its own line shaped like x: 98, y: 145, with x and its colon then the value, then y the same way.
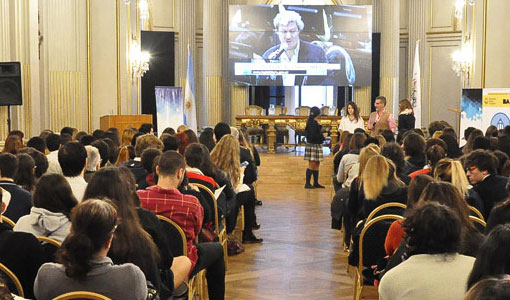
x: 13, y: 144
x: 226, y: 157
x: 446, y: 194
x: 21, y: 200
x: 147, y: 158
x: 127, y: 136
x: 72, y: 158
x: 104, y: 150
x: 165, y: 199
x: 135, y: 165
x: 492, y: 258
x: 381, y: 185
x: 490, y: 288
x: 87, y: 140
x: 21, y: 252
x: 176, y: 268
x: 433, y: 154
x: 50, y: 215
x: 170, y: 142
x: 194, y: 157
x: 168, y: 130
x: 131, y: 244
x: 395, y: 153
x: 349, y: 165
x: 207, y: 138
x: 396, y: 231
x: 25, y: 177
x: 435, y: 269
x: 146, y: 128
x: 468, y: 147
x: 339, y: 154
x: 37, y: 143
x: 53, y: 143
x: 84, y: 264
x: 452, y: 147
x: 481, y: 170
x: 414, y: 148
x: 503, y: 168
x: 41, y: 162
x: 500, y: 214
x: 451, y: 171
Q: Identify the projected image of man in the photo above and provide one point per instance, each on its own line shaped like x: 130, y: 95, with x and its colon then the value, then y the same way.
x: 288, y: 26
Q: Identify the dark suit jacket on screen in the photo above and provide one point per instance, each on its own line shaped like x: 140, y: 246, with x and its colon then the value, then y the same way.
x: 308, y: 53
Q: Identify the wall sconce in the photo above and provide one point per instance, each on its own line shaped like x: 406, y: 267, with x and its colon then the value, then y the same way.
x: 139, y: 60
x: 461, y: 59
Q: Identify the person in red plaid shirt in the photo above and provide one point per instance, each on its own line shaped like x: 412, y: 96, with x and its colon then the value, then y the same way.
x: 166, y: 200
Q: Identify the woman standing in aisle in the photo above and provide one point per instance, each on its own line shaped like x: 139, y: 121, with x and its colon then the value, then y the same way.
x: 313, y: 150
x: 353, y: 120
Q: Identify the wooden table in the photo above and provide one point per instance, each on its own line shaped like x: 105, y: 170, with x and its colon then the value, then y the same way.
x: 294, y: 122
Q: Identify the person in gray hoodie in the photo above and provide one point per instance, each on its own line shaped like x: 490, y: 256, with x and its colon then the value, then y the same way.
x: 50, y: 215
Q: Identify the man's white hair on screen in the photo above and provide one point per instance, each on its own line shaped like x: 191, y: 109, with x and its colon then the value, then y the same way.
x: 287, y: 16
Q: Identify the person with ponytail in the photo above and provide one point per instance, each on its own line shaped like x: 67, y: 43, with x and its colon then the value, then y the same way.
x: 84, y: 264
x: 313, y: 150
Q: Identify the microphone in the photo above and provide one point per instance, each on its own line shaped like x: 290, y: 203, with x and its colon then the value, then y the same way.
x: 275, y: 55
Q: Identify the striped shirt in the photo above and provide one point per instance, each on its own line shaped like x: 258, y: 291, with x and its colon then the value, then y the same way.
x: 185, y: 210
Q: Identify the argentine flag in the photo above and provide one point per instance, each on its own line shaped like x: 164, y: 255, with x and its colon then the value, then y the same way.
x: 189, y: 109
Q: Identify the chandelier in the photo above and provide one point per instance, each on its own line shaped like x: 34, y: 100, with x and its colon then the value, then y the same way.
x: 139, y: 60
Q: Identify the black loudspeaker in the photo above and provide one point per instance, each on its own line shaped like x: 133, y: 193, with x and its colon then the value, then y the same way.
x: 10, y: 84
x: 161, y: 68
x: 345, y: 94
x: 376, y: 66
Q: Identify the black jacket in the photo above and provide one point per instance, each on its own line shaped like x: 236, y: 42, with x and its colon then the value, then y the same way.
x: 250, y: 173
x: 492, y: 190
x: 23, y: 254
x: 406, y: 122
x: 136, y: 167
x: 21, y: 201
x: 313, y: 132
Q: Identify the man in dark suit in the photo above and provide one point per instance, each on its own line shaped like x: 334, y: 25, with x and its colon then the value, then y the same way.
x: 21, y: 200
x: 481, y: 166
x: 292, y: 49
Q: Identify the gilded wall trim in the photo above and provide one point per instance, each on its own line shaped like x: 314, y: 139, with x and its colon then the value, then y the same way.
x: 65, y: 95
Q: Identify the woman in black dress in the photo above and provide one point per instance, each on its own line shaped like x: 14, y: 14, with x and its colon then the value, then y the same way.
x: 313, y: 150
x: 406, y: 119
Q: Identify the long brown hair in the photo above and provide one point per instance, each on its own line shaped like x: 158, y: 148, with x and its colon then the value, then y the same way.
x: 405, y: 104
x: 225, y: 156
x: 356, y: 110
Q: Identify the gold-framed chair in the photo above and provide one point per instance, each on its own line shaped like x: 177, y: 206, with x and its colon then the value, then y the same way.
x: 257, y: 131
x: 14, y: 279
x: 222, y: 235
x: 358, y: 277
x: 300, y: 126
x: 325, y: 110
x: 8, y: 221
x: 384, y: 206
x: 478, y: 221
x: 196, y: 285
x: 53, y: 242
x: 475, y: 211
x: 281, y: 130
x: 81, y: 295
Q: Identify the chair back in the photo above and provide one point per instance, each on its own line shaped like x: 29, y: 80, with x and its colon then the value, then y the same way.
x: 53, y: 242
x: 396, y: 208
x: 475, y: 212
x: 480, y: 224
x: 329, y: 110
x: 213, y: 202
x: 81, y: 295
x: 175, y: 235
x: 280, y: 110
x: 253, y: 110
x: 50, y: 247
x: 372, y: 237
x: 12, y: 281
x: 8, y: 221
x: 302, y: 111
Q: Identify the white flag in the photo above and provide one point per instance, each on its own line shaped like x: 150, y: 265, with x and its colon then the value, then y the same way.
x: 416, y: 87
x: 190, y: 112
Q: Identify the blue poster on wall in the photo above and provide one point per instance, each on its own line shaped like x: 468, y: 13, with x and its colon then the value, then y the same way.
x: 471, y: 107
x: 169, y: 107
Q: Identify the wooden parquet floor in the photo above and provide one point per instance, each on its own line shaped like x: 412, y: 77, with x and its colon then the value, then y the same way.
x: 301, y: 257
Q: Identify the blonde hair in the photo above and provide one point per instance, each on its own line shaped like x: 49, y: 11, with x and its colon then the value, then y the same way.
x: 375, y: 176
x: 437, y: 134
x: 182, y: 128
x: 127, y: 136
x: 381, y: 139
x: 225, y: 156
x: 450, y: 170
x: 365, y: 154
